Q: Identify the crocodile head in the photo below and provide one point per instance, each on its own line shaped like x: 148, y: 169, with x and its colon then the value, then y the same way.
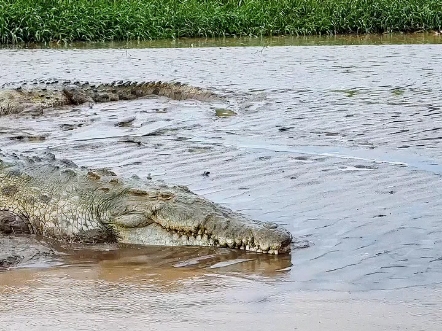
x: 175, y: 216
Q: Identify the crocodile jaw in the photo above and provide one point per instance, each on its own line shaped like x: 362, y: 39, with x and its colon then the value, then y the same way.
x: 155, y: 234
x: 176, y: 217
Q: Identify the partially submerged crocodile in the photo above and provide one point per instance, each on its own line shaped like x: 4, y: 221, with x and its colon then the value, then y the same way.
x: 37, y: 96
x: 56, y: 198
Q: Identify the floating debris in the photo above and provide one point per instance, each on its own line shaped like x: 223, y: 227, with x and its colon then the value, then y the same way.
x: 224, y: 112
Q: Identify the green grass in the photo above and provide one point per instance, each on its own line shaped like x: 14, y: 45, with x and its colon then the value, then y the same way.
x: 101, y: 20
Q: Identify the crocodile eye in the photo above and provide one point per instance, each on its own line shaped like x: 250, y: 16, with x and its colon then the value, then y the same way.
x: 137, y: 192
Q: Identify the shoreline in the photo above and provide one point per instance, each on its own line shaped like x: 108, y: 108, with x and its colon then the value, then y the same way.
x: 268, y: 41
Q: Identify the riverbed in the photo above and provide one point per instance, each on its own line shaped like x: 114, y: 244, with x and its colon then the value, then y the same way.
x: 341, y: 144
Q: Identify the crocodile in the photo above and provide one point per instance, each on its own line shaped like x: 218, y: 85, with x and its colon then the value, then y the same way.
x: 56, y: 198
x: 34, y: 97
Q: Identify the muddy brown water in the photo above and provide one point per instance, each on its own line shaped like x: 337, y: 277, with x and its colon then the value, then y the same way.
x: 341, y: 144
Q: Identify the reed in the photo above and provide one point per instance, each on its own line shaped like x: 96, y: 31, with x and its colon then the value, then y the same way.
x: 101, y: 20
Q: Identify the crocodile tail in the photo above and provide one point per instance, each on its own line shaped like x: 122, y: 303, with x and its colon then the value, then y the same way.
x: 172, y: 90
x: 179, y: 91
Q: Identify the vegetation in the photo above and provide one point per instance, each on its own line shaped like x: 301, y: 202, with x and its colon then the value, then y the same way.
x: 100, y: 20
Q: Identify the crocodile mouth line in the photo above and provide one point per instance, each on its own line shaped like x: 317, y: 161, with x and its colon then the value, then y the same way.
x: 161, y: 235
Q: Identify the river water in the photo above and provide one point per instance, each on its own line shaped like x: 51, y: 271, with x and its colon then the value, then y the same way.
x: 339, y: 143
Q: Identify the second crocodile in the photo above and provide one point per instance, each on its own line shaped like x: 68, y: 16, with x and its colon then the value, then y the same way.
x: 37, y: 96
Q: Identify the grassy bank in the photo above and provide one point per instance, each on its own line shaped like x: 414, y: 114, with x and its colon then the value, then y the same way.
x: 99, y: 20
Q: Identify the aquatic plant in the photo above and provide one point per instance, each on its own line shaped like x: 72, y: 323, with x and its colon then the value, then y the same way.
x: 101, y: 20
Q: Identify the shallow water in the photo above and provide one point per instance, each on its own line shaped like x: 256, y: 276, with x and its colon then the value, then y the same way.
x: 341, y: 144
x: 328, y: 40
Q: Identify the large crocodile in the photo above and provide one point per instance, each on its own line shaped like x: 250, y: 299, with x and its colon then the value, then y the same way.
x: 55, y: 198
x: 37, y: 96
